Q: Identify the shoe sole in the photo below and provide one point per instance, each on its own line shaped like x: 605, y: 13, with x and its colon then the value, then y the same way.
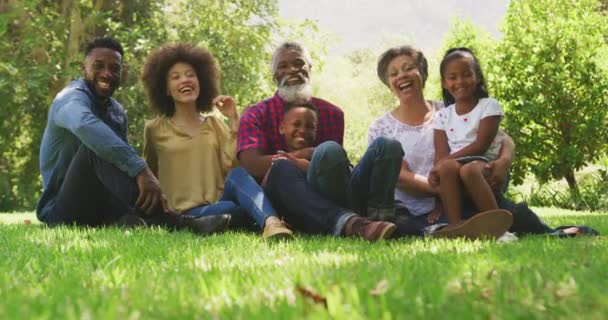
x: 282, y: 236
x: 489, y: 224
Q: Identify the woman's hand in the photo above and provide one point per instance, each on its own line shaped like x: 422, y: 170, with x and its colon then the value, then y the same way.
x: 497, y: 173
x: 434, y: 176
x: 227, y: 106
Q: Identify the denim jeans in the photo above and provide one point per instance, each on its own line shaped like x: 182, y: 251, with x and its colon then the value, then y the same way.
x: 370, y: 185
x: 94, y: 192
x: 243, y: 198
x: 525, y: 221
x: 301, y: 206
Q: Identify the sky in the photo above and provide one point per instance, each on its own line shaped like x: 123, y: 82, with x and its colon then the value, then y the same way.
x: 365, y: 23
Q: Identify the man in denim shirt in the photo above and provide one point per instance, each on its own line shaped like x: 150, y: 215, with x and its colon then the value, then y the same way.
x: 90, y: 174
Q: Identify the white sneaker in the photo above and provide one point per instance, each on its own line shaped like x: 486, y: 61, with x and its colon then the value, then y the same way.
x: 507, y: 237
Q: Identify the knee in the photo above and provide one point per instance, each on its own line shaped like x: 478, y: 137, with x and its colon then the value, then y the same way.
x: 281, y: 167
x: 470, y: 170
x: 388, y: 147
x: 449, y: 167
x: 329, y: 152
x: 282, y: 172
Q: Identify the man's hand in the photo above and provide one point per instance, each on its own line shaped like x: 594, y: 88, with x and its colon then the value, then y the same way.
x: 305, y: 153
x: 301, y: 163
x: 150, y: 193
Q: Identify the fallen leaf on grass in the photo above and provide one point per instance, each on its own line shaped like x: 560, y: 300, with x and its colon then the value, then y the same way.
x: 380, y: 289
x: 566, y: 289
x: 27, y: 221
x: 309, y: 293
x: 487, y: 293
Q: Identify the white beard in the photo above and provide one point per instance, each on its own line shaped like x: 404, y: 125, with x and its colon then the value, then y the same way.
x: 298, y: 92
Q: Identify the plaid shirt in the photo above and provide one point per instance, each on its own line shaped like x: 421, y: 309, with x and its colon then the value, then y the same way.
x: 259, y: 126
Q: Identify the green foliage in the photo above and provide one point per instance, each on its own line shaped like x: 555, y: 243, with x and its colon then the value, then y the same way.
x: 592, y: 194
x: 464, y: 34
x: 549, y: 73
x: 555, y: 92
x: 109, y: 273
x: 43, y: 51
x: 351, y: 83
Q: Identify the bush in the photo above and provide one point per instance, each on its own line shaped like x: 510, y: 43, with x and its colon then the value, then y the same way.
x: 592, y: 196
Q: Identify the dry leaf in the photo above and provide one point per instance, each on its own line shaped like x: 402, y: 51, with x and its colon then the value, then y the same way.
x: 380, y: 289
x: 311, y: 294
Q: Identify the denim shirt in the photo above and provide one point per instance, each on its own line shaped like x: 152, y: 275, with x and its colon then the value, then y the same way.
x: 78, y: 117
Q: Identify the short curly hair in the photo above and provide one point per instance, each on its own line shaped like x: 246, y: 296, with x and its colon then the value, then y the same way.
x: 156, y: 69
x: 103, y: 42
x: 385, y: 59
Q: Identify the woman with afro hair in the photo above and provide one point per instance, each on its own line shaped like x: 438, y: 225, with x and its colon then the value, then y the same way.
x: 193, y: 152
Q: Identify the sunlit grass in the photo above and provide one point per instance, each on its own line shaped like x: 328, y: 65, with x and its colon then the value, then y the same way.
x: 75, y: 273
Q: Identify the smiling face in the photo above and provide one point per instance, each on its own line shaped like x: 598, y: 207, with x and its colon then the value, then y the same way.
x: 291, y: 68
x: 101, y: 70
x: 404, y: 78
x: 182, y: 84
x: 459, y: 78
x: 299, y: 127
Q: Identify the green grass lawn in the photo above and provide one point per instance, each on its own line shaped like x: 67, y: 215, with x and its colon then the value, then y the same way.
x: 72, y: 273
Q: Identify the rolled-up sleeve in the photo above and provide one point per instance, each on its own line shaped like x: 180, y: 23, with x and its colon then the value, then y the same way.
x: 251, y: 134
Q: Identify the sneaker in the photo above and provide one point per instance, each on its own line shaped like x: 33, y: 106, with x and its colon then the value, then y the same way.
x: 367, y: 229
x: 489, y: 224
x: 277, y: 231
x: 130, y: 221
x: 507, y: 237
x: 205, y: 224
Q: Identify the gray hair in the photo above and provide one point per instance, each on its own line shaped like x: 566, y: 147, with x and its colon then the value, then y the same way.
x: 289, y: 45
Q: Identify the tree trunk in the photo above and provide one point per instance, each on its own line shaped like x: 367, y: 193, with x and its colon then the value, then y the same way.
x: 571, y: 179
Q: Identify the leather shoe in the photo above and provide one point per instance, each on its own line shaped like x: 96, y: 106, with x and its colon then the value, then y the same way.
x: 367, y: 229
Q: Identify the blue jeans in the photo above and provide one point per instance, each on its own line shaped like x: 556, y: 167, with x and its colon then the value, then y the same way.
x: 243, y: 198
x: 302, y: 207
x: 370, y: 184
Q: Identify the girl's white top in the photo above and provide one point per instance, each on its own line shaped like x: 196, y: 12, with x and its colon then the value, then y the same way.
x: 461, y: 130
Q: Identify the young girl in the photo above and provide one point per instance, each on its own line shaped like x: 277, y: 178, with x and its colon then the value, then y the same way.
x: 191, y: 151
x: 466, y: 135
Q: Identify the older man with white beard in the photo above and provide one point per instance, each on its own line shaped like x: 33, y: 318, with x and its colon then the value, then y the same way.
x: 318, y: 201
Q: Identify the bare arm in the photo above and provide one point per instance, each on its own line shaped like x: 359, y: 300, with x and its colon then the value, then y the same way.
x: 305, y: 153
x: 413, y: 183
x: 499, y: 168
x: 442, y: 148
x: 255, y: 162
x: 488, y: 127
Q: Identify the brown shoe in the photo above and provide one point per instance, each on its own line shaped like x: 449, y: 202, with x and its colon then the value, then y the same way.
x: 205, y: 224
x: 277, y: 231
x: 489, y: 224
x: 367, y: 229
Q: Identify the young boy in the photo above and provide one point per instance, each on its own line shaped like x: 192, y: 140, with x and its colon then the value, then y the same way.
x: 299, y: 129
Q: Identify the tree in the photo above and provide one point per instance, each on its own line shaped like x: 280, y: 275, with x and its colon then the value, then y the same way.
x: 42, y: 49
x: 549, y: 76
x: 39, y: 54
